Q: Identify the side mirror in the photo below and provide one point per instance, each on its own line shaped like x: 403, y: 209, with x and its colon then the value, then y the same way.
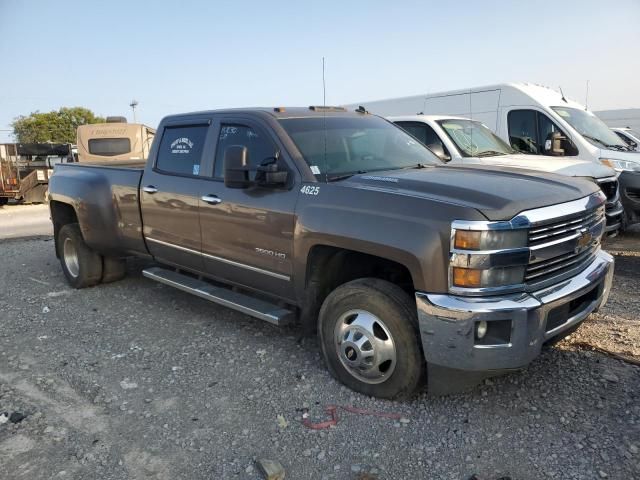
x: 269, y: 175
x: 236, y: 167
x: 553, y: 144
x: 439, y: 152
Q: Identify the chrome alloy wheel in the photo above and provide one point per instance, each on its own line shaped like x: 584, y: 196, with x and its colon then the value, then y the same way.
x: 70, y: 256
x: 365, y: 346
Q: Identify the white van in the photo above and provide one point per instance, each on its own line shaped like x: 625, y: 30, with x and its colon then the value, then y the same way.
x: 462, y: 141
x: 534, y: 120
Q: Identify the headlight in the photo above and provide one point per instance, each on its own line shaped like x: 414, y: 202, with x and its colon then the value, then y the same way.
x: 487, y: 256
x: 621, y: 165
x: 494, y: 277
x: 489, y: 239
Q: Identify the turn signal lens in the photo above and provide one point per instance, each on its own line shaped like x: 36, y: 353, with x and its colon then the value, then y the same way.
x: 468, y: 239
x: 467, y: 277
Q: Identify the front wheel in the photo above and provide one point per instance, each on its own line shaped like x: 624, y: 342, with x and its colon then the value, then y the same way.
x: 370, y: 340
x: 81, y: 265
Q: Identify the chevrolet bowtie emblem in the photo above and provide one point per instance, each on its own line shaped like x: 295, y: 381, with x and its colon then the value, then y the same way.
x: 584, y: 240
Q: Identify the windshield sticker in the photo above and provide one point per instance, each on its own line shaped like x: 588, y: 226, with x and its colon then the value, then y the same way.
x: 315, y: 170
x: 226, y: 131
x: 181, y: 145
x: 196, y: 169
x: 252, y: 134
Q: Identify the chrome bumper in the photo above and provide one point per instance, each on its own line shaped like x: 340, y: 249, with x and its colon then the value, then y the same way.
x: 448, y: 322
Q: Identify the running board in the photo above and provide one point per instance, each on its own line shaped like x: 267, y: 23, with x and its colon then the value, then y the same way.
x: 222, y: 296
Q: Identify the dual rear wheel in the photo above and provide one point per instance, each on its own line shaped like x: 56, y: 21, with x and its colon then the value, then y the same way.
x: 82, y: 266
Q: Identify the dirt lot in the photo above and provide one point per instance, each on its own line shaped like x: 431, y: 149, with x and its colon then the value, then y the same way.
x: 134, y: 380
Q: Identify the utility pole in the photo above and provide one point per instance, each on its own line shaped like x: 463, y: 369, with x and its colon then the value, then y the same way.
x: 133, y: 105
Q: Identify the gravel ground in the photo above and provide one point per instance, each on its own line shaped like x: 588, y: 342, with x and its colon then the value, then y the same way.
x: 135, y: 380
x: 17, y: 220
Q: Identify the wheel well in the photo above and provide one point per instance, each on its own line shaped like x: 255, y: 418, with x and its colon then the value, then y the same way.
x: 61, y: 215
x: 329, y: 267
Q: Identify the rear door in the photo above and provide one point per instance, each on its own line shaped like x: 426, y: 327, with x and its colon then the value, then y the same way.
x: 169, y: 192
x: 247, y: 234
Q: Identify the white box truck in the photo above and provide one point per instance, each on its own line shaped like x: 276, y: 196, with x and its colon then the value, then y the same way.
x: 533, y: 120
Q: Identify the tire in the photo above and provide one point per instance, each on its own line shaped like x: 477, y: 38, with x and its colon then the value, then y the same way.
x: 3, y: 201
x: 81, y: 265
x: 113, y: 269
x: 369, y: 336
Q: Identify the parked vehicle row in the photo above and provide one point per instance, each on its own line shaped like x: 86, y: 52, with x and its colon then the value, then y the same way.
x: 534, y: 120
x: 407, y: 267
x: 462, y: 141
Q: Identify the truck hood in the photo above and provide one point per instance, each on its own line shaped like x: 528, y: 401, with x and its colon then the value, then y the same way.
x: 498, y: 193
x: 543, y: 163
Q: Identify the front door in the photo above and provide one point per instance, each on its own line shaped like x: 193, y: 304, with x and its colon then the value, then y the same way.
x: 247, y: 234
x: 169, y: 193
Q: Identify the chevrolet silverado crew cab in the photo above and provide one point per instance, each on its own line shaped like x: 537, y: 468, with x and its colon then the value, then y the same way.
x: 408, y: 268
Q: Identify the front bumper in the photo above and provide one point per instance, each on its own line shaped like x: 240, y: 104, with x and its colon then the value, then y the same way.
x: 448, y: 322
x: 630, y: 196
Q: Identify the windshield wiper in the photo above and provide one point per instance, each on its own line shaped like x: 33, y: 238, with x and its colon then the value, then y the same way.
x: 489, y: 153
x: 601, y: 142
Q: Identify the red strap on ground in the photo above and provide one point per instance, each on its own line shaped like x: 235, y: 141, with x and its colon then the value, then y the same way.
x: 332, y: 411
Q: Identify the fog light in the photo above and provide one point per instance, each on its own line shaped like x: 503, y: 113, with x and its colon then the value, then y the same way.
x: 481, y: 329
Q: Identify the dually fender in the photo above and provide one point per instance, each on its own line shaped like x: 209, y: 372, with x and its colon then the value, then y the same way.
x: 109, y: 216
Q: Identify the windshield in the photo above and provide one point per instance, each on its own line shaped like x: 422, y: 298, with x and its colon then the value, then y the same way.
x: 473, y: 139
x: 590, y: 127
x: 338, y: 146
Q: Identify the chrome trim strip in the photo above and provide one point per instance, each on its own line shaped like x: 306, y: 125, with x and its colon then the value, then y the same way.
x: 220, y: 259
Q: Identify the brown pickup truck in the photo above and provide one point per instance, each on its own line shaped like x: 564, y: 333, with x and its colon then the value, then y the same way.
x: 407, y: 268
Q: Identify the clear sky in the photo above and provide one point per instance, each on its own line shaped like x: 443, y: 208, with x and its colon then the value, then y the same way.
x: 175, y: 56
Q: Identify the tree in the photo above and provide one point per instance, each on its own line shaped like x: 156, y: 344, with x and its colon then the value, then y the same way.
x: 56, y: 127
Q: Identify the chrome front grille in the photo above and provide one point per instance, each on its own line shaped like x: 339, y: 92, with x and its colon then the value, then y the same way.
x: 562, y: 247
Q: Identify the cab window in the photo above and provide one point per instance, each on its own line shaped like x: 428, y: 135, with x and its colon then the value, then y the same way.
x: 529, y: 131
x: 261, y: 150
x: 180, y: 150
x: 523, y: 136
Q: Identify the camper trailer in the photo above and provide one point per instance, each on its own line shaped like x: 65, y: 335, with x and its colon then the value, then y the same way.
x: 115, y: 142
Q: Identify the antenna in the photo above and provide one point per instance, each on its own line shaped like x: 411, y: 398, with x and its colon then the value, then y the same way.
x: 586, y: 98
x: 133, y: 105
x: 562, y: 93
x: 324, y: 88
x: 324, y: 123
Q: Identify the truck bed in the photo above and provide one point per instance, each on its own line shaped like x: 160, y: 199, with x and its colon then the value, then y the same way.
x: 106, y: 202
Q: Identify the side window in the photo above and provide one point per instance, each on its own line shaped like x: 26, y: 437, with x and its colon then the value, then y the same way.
x: 545, y: 128
x: 418, y: 130
x: 181, y: 149
x: 425, y: 134
x: 522, y: 131
x: 261, y: 150
x: 625, y: 139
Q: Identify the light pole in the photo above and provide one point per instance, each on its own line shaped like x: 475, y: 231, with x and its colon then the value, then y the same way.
x: 133, y: 105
